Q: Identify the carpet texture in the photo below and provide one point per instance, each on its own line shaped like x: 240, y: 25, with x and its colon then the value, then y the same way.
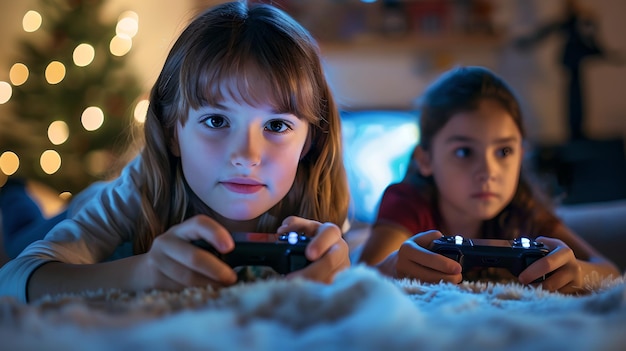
x: 361, y: 310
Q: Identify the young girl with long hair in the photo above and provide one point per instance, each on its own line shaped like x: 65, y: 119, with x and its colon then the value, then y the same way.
x: 242, y: 135
x: 466, y: 179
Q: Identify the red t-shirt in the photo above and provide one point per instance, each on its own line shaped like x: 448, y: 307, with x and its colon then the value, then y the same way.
x: 402, y: 204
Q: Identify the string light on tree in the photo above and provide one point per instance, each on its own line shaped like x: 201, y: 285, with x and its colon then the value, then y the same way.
x: 141, y: 111
x: 69, y: 90
x: 50, y: 161
x: 65, y: 196
x: 6, y: 91
x: 126, y: 28
x: 55, y: 72
x: 120, y: 45
x: 83, y: 55
x: 31, y: 21
x: 58, y: 132
x: 9, y: 162
x: 127, y: 24
x: 18, y: 74
x: 92, y: 118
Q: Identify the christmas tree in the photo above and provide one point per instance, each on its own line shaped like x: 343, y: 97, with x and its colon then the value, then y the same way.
x: 73, y: 95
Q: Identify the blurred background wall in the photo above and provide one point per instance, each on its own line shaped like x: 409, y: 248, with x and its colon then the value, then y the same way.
x: 382, y: 54
x: 370, y: 69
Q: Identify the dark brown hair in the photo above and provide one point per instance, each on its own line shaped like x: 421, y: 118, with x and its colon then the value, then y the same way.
x: 461, y: 90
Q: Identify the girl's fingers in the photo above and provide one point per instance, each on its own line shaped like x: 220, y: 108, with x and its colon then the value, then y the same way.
x: 559, y: 265
x: 417, y: 255
x: 327, y: 249
x: 425, y: 239
x: 324, y: 235
x: 298, y: 224
x: 205, y: 228
x: 180, y: 261
x: 416, y: 250
x: 176, y: 276
x: 334, y: 260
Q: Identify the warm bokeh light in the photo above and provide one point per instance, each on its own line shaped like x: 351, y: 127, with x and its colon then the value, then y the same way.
x: 50, y: 161
x: 65, y: 196
x: 92, y: 118
x: 83, y: 55
x: 3, y: 179
x: 128, y: 24
x: 9, y: 162
x: 31, y: 21
x: 55, y: 72
x: 141, y: 111
x: 120, y: 45
x: 58, y: 132
x: 6, y: 91
x: 129, y: 14
x: 18, y: 74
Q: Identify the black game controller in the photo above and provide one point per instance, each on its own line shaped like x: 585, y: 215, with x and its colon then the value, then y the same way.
x: 514, y: 255
x: 282, y: 252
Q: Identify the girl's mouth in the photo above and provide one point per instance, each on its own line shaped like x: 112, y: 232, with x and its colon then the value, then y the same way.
x: 484, y: 195
x: 243, y: 187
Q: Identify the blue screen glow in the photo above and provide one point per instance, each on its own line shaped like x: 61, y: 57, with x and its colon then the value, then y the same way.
x: 377, y: 149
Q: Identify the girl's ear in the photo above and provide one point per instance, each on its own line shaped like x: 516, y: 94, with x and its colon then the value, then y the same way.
x: 422, y: 158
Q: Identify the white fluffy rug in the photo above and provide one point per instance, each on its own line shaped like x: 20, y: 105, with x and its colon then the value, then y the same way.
x: 360, y: 311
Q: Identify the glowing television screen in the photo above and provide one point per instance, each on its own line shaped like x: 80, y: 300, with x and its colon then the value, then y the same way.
x: 377, y: 149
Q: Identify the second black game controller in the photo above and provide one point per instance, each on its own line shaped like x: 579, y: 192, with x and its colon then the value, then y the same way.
x: 514, y: 255
x: 284, y: 253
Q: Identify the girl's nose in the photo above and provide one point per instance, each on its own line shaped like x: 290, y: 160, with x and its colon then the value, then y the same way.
x: 246, y: 150
x: 485, y: 168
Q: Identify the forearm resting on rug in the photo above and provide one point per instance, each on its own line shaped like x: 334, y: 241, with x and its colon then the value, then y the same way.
x: 383, y: 241
x: 59, y: 278
x: 596, y: 271
x: 589, y: 277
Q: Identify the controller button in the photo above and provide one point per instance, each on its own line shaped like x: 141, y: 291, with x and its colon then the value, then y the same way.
x: 292, y: 238
x: 525, y: 242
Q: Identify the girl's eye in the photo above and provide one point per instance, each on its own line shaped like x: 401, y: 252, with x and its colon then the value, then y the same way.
x: 506, y: 151
x: 277, y: 126
x: 462, y: 152
x: 216, y: 122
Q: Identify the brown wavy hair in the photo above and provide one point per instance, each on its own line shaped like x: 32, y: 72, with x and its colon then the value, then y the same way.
x: 461, y: 90
x: 262, y: 55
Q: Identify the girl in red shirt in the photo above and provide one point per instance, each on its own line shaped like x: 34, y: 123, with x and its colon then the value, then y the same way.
x: 466, y: 178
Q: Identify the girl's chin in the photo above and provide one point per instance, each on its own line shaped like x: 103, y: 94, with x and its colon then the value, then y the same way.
x: 240, y: 216
x: 487, y: 215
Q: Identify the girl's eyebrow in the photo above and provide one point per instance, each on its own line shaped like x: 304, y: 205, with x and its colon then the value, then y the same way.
x: 506, y: 140
x: 467, y: 139
x: 458, y: 138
